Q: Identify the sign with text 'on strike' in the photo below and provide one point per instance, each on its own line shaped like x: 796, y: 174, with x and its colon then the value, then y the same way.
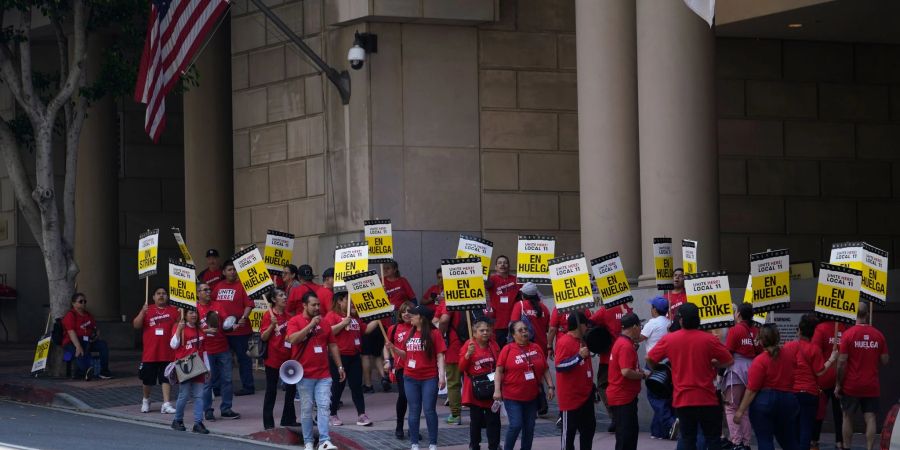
x: 251, y: 270
x: 770, y: 274
x: 571, y: 283
x: 474, y: 246
x: 368, y: 296
x: 182, y: 284
x: 463, y: 284
x: 148, y: 248
x: 40, y: 354
x: 349, y: 259
x: 379, y: 236
x: 533, y: 258
x: 260, y: 307
x: 837, y: 293
x: 609, y: 274
x: 689, y: 256
x: 711, y: 293
x: 279, y: 250
x: 663, y: 263
x: 182, y: 246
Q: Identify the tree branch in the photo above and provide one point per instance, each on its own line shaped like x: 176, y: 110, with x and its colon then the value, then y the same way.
x: 22, y: 186
x: 75, y: 114
x: 25, y: 64
x: 79, y: 54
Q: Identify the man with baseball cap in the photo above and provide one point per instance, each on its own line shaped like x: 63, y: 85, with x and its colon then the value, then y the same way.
x: 325, y: 291
x: 294, y: 302
x: 663, y: 424
x: 212, y: 274
x: 625, y: 376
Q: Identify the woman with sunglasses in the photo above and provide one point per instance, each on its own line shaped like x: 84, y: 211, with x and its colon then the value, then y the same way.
x: 397, y: 335
x: 81, y: 337
x: 477, y: 360
x: 272, y: 331
x: 187, y: 339
x: 520, y: 368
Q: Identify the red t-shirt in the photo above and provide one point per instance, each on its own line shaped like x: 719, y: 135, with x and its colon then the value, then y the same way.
x: 419, y: 364
x: 574, y: 386
x: 741, y: 340
x: 540, y: 324
x: 279, y: 350
x: 211, y: 277
x: 503, y: 297
x: 561, y: 321
x: 777, y: 373
x: 232, y: 299
x: 348, y: 339
x: 325, y: 295
x: 398, y: 291
x: 863, y: 345
x: 191, y: 340
x: 523, y: 370
x: 809, y: 361
x: 692, y: 371
x: 611, y: 318
x: 295, y: 298
x: 398, y: 334
x: 621, y: 390
x: 482, y: 362
x: 438, y: 291
x: 83, y: 324
x: 312, y: 353
x: 452, y: 336
x: 157, y: 332
x: 675, y: 301
x: 825, y: 339
x: 216, y: 342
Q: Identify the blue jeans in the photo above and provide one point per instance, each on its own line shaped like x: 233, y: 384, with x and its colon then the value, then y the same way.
x: 84, y: 361
x: 422, y: 394
x: 194, y: 391
x: 219, y: 374
x: 318, y: 390
x: 773, y: 414
x: 700, y: 443
x: 809, y: 405
x: 239, y: 345
x: 663, y: 415
x: 522, y: 416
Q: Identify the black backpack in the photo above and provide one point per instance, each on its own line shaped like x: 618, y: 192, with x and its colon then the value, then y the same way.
x: 56, y: 336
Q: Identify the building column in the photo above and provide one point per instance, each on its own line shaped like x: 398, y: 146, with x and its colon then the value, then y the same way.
x: 676, y: 107
x: 208, y: 194
x: 97, y: 198
x: 607, y: 130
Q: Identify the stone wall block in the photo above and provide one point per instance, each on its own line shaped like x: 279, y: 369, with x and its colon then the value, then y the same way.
x: 500, y: 170
x: 783, y: 177
x: 818, y: 140
x: 519, y: 50
x: 569, y: 212
x: 878, y: 141
x: 732, y: 176
x: 248, y: 32
x: 859, y: 103
x: 548, y: 172
x: 733, y: 253
x: 757, y: 59
x: 518, y: 130
x: 285, y: 100
x: 547, y: 90
x: 568, y: 132
x: 264, y: 218
x: 248, y: 108
x: 751, y: 215
x: 856, y: 179
x: 287, y: 181
x: 750, y: 137
x: 781, y: 99
x: 818, y: 61
x: 307, y: 217
x: 879, y: 217
x: 268, y: 144
x: 497, y: 88
x: 520, y: 211
x: 432, y: 206
x: 877, y: 63
x: 821, y: 216
x: 240, y: 72
x: 268, y: 65
x: 546, y: 15
x: 251, y: 186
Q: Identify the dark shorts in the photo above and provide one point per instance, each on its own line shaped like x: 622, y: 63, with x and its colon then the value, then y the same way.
x: 851, y: 405
x: 153, y: 373
x: 371, y: 344
x: 603, y: 376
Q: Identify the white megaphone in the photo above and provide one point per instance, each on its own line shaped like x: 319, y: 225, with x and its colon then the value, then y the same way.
x: 291, y: 372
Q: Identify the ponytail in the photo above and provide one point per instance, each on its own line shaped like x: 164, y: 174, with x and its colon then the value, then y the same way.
x: 427, y: 341
x: 770, y: 339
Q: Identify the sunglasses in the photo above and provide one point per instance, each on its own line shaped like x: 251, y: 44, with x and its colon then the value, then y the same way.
x: 82, y: 301
x: 521, y: 330
x: 206, y: 290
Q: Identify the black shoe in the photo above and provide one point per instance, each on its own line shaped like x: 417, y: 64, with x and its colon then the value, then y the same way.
x: 199, y: 428
x: 673, y: 432
x: 217, y: 392
x: 368, y: 389
x: 728, y: 445
x: 229, y: 414
x: 178, y: 425
x: 290, y: 424
x: 105, y: 375
x: 210, y: 416
x: 398, y: 433
x: 386, y: 385
x: 612, y: 428
x: 244, y: 392
x: 475, y: 447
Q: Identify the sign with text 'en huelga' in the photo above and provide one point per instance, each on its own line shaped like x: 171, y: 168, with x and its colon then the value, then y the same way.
x: 349, y: 259
x: 533, y: 258
x: 368, y: 296
x: 770, y: 275
x: 251, y: 270
x: 871, y: 261
x: 609, y: 274
x: 571, y: 283
x: 279, y: 250
x: 379, y: 236
x: 837, y: 293
x: 663, y: 263
x: 463, y: 284
x: 182, y: 284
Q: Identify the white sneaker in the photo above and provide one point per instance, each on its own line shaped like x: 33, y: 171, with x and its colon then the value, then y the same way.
x: 414, y: 447
x: 327, y: 445
x: 432, y: 447
x: 167, y: 409
x: 308, y: 446
x: 145, y: 405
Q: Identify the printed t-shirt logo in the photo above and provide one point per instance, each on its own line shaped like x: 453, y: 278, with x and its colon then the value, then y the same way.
x: 226, y: 294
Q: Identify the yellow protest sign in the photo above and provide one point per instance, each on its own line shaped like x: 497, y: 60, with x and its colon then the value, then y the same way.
x: 368, y: 296
x: 612, y: 284
x: 182, y: 246
x: 260, y: 307
x: 148, y: 247
x: 712, y: 295
x: 40, y: 354
x: 571, y: 282
x: 463, y: 284
x: 182, y: 284
x: 759, y: 318
x: 251, y: 270
x: 278, y: 251
x: 533, y: 258
x: 380, y: 238
x: 868, y: 259
x: 689, y: 256
x: 662, y: 262
x: 349, y: 259
x: 474, y: 246
x: 837, y: 293
x: 770, y: 273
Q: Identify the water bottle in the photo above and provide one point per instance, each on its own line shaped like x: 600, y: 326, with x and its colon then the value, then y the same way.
x: 495, y: 406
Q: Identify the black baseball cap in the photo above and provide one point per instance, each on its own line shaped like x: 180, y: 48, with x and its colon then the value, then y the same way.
x: 329, y: 273
x: 629, y: 320
x: 212, y: 252
x: 423, y: 311
x: 305, y: 271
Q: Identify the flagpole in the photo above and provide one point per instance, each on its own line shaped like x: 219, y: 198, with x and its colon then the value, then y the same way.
x: 207, y: 41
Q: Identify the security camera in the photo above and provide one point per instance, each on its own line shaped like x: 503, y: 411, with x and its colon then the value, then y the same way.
x: 362, y: 43
x: 357, y: 57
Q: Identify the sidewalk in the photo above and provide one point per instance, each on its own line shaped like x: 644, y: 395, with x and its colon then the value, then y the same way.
x: 120, y: 397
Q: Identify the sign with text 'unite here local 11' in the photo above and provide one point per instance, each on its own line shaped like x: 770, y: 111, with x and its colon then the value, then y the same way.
x: 571, y: 282
x: 148, y: 248
x: 251, y: 270
x: 837, y: 293
x: 712, y: 295
x: 182, y: 284
x: 349, y: 258
x: 379, y: 236
x: 474, y: 246
x: 609, y: 274
x: 533, y: 258
x: 368, y: 296
x: 663, y: 263
x: 770, y: 274
x: 868, y: 259
x: 279, y: 250
x: 463, y: 284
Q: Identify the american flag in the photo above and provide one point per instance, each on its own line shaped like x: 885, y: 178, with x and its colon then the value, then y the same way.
x: 176, y: 31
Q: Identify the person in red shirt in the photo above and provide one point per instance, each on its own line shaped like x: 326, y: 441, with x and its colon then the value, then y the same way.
x: 625, y: 377
x: 741, y: 342
x: 394, y: 363
x: 347, y: 331
x: 187, y: 339
x: 397, y: 287
x: 611, y: 318
x: 230, y: 296
x: 217, y: 353
x: 809, y: 367
x: 863, y: 347
x: 81, y: 337
x: 770, y: 393
x: 454, y: 327
x: 273, y: 328
x: 503, y: 290
x: 434, y: 294
x: 325, y: 292
x: 575, y: 378
x: 559, y: 323
x: 827, y: 337
x: 477, y: 361
x: 529, y: 303
x: 305, y: 276
x: 212, y: 274
x: 694, y: 356
x: 289, y: 279
x: 677, y: 296
x: 424, y: 373
x: 157, y: 322
x: 311, y: 345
